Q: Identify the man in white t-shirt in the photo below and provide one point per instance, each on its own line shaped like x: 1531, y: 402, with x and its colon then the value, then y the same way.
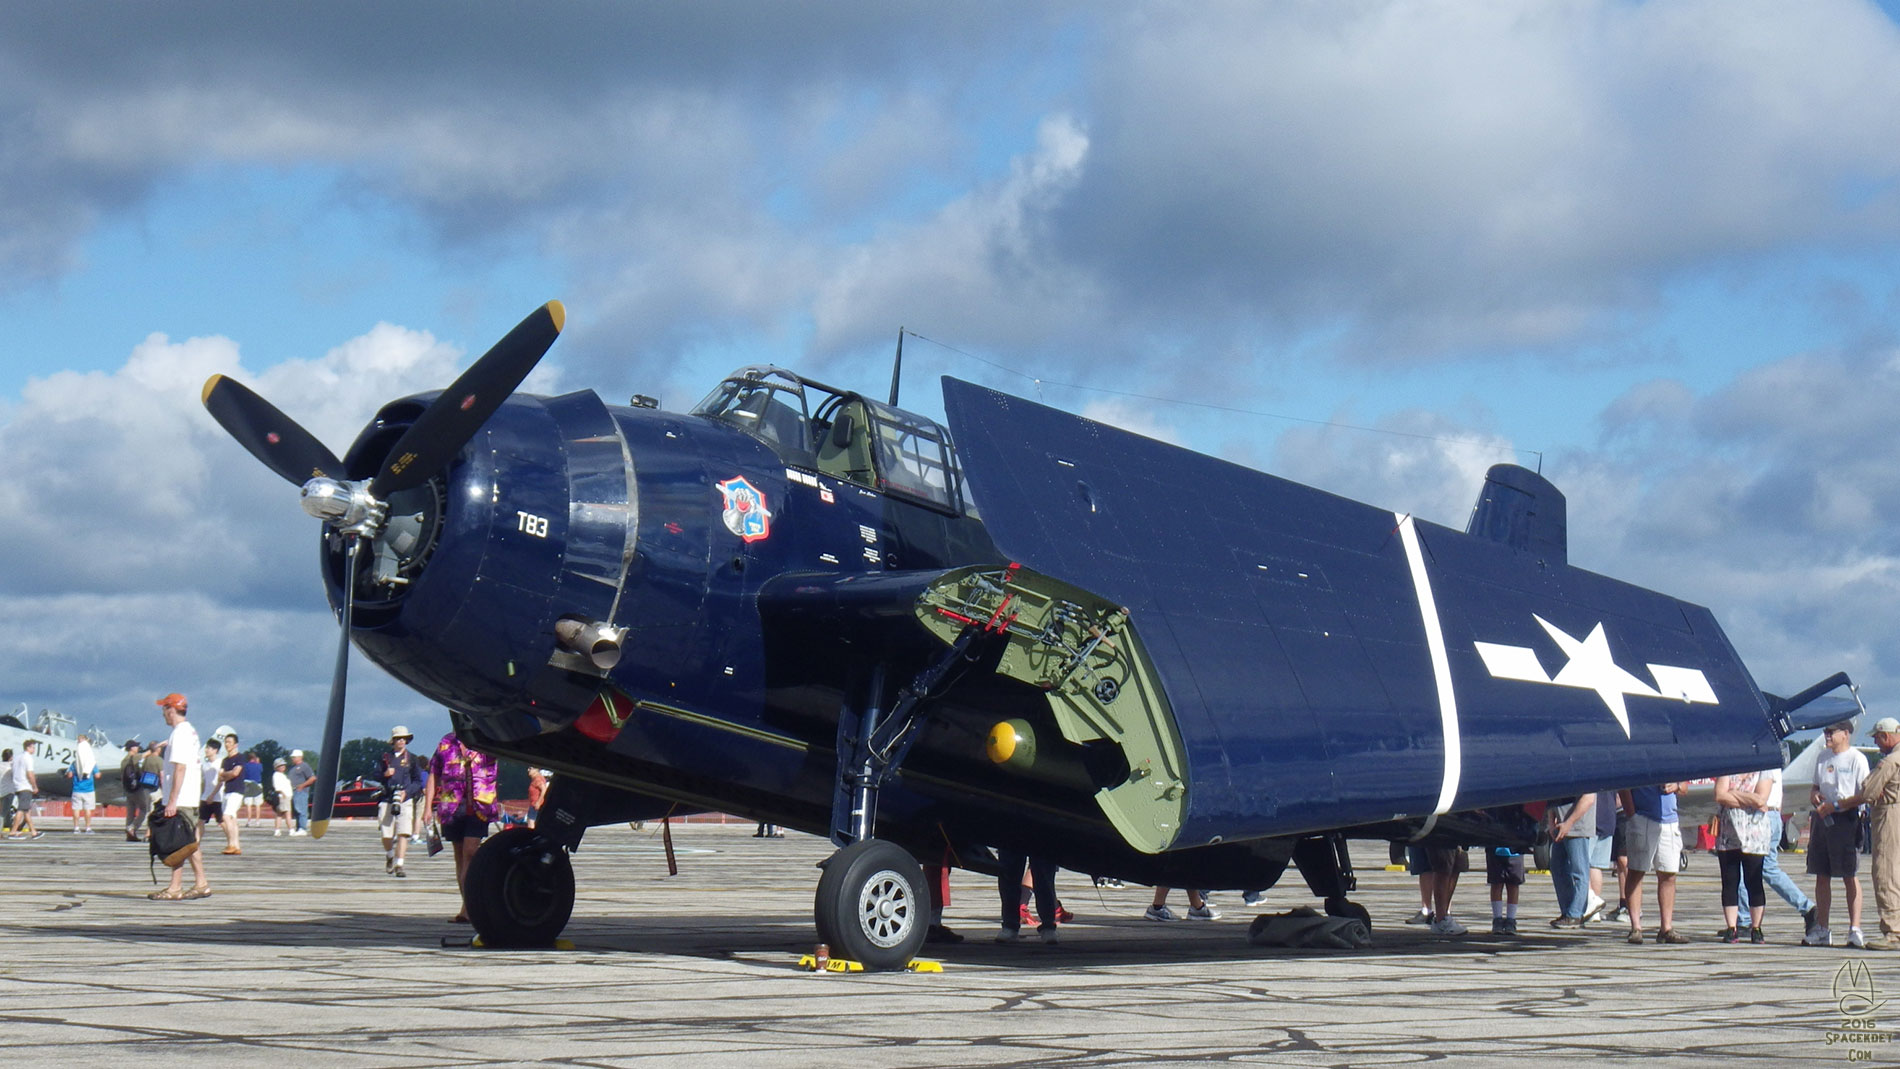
x: 1834, y: 848
x: 181, y: 785
x: 24, y: 786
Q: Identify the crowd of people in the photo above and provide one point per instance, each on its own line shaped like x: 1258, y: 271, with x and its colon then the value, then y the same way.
x: 1627, y: 835
x: 1623, y: 836
x: 216, y: 783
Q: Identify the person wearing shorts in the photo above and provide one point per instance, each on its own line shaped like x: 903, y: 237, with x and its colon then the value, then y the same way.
x: 1437, y: 868
x: 210, y: 798
x: 1653, y: 835
x: 461, y: 796
x: 23, y: 785
x: 231, y: 779
x: 1834, y: 846
x: 85, y: 797
x: 403, y: 777
x: 181, y: 784
x: 1504, y: 874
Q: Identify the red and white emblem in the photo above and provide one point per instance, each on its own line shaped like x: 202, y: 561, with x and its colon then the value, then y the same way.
x: 745, y: 514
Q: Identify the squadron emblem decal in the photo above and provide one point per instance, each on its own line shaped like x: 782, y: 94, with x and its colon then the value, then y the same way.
x: 745, y: 513
x: 1590, y: 667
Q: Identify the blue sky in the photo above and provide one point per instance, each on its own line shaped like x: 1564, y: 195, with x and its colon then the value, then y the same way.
x: 1653, y: 247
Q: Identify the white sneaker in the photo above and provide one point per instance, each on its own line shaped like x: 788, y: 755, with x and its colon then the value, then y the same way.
x: 1448, y: 925
x: 1253, y: 898
x: 1593, y: 907
x: 1203, y: 913
x: 1423, y: 916
x: 1855, y: 939
x: 278, y: 834
x: 1160, y: 913
x: 1818, y: 937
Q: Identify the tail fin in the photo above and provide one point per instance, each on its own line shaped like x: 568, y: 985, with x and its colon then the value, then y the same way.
x: 1523, y: 510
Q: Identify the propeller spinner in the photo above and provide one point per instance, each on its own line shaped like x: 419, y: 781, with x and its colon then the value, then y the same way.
x: 352, y: 506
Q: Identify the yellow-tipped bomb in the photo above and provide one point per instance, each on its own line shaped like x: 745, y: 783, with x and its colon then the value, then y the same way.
x: 1012, y: 744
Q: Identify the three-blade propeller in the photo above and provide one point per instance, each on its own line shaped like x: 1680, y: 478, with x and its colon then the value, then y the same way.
x: 429, y: 444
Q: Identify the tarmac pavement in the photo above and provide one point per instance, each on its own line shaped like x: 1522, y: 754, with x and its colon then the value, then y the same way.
x: 306, y: 952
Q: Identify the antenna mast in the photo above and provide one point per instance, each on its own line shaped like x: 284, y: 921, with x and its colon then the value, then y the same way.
x: 897, y: 366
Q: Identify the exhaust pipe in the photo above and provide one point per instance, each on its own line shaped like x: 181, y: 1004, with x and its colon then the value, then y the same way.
x: 598, y: 643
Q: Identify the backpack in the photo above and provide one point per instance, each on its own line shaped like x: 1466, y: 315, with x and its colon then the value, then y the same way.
x: 172, y: 840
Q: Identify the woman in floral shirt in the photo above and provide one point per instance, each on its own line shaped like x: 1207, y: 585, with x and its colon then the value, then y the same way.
x: 1748, y: 828
x: 461, y: 797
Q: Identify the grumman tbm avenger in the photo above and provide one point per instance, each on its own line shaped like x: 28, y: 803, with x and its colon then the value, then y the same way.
x: 1023, y: 632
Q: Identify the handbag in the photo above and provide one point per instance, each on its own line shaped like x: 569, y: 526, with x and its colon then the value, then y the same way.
x: 172, y: 840
x: 435, y: 838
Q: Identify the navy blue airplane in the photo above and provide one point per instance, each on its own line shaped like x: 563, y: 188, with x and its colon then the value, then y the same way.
x: 801, y: 605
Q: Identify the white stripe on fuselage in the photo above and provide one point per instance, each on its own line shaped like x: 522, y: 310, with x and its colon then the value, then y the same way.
x: 1441, y: 664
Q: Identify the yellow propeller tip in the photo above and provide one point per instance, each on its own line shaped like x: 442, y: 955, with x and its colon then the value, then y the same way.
x: 558, y: 313
x: 318, y: 827
x: 210, y: 385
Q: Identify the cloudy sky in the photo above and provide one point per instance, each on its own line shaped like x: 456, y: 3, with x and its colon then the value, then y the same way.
x: 1377, y: 246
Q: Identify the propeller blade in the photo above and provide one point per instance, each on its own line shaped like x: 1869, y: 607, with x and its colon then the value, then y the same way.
x: 454, y: 417
x: 323, y: 792
x: 271, y: 436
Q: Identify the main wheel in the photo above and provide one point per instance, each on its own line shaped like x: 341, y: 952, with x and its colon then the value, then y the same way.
x: 1341, y: 907
x: 871, y: 905
x: 519, y: 890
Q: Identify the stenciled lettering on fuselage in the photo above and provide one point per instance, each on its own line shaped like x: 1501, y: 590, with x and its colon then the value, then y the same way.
x: 1590, y: 667
x: 745, y: 513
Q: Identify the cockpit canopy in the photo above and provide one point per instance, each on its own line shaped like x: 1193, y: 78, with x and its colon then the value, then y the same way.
x: 841, y: 434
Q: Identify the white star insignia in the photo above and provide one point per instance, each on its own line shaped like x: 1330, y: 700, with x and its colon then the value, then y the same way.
x: 1590, y: 667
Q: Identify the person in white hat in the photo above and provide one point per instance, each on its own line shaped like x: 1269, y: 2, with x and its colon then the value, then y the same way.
x: 301, y: 777
x: 403, y: 779
x: 280, y: 798
x: 1834, y: 845
x: 1882, y: 791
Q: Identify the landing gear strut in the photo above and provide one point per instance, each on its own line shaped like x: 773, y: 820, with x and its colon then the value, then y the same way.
x: 872, y: 905
x: 519, y: 890
x: 1326, y: 864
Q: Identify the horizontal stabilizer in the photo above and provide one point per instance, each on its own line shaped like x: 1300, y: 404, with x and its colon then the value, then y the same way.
x: 1786, y: 711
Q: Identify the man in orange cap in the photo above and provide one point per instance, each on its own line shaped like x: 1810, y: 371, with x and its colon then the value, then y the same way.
x: 178, y: 796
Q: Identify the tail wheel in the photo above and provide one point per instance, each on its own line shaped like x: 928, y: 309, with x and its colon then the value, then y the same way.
x: 872, y: 906
x: 519, y: 890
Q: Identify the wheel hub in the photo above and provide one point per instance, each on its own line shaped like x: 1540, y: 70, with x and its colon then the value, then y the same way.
x: 886, y: 908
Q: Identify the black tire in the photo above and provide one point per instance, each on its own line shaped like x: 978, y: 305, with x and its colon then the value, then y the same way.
x: 871, y: 906
x: 1540, y: 853
x: 519, y: 890
x: 1340, y: 907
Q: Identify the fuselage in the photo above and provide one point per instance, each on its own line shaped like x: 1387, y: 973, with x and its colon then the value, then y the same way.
x: 678, y: 528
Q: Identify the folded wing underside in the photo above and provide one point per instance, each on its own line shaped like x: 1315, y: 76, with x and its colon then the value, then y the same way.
x: 1321, y: 659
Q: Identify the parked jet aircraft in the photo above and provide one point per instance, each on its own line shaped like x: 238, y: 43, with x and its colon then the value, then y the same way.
x: 1134, y: 660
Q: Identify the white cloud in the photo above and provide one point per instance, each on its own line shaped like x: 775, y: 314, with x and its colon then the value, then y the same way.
x: 1443, y: 177
x: 146, y: 551
x: 978, y: 267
